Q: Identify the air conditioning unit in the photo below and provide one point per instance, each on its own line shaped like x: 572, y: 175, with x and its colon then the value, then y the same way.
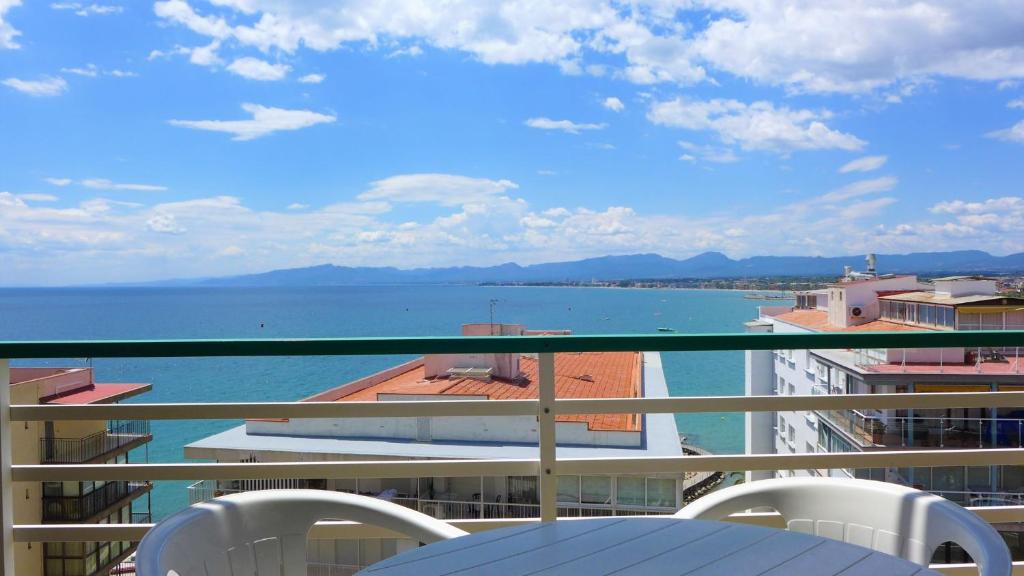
x: 855, y: 311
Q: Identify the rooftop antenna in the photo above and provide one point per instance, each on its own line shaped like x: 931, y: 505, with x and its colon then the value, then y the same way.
x: 493, y: 303
x: 870, y: 258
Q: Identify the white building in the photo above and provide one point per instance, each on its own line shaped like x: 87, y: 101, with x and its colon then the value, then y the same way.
x: 866, y: 302
x: 472, y: 377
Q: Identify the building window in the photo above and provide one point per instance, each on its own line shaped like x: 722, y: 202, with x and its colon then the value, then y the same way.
x: 791, y: 434
x: 595, y: 490
x: 661, y: 492
x: 569, y: 489
x: 792, y: 389
x: 782, y: 426
x: 629, y: 491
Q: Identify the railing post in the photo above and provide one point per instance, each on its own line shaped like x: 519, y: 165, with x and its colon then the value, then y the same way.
x: 546, y: 422
x: 6, y: 490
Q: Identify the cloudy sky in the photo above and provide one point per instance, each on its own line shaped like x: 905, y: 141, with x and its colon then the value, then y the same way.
x: 145, y: 140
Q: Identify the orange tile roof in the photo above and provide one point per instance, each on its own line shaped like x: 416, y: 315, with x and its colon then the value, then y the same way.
x: 818, y: 320
x: 612, y: 375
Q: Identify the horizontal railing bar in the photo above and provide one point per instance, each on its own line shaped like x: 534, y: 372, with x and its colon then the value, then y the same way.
x: 272, y: 470
x: 217, y: 411
x: 572, y: 466
x: 334, y: 529
x: 744, y: 462
x: 492, y: 344
x: 274, y: 410
x: 789, y: 403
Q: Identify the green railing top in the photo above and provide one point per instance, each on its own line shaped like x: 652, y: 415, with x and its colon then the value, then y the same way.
x: 491, y: 344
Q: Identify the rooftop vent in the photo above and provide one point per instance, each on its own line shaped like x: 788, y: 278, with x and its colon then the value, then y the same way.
x: 483, y: 374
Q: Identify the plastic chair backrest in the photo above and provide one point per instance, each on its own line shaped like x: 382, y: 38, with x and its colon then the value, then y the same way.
x: 263, y: 533
x: 886, y: 517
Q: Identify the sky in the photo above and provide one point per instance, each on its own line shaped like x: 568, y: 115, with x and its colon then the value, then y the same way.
x: 144, y: 140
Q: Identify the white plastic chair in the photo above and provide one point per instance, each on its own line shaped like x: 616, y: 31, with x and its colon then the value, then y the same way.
x: 885, y: 517
x: 263, y: 533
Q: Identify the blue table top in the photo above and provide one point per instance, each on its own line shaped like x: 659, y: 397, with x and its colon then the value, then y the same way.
x: 646, y: 546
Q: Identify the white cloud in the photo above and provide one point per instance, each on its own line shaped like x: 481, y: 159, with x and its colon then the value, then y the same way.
x: 1005, y: 204
x: 756, y: 126
x: 32, y: 197
x: 716, y: 154
x: 89, y: 70
x: 412, y: 51
x: 47, y: 86
x: 58, y: 181
x: 265, y: 120
x: 88, y: 9
x: 1018, y: 103
x: 297, y: 206
x: 92, y: 71
x: 1014, y: 133
x: 313, y: 78
x: 104, y: 184
x: 861, y: 188
x: 566, y: 126
x: 8, y: 35
x: 443, y: 189
x: 802, y: 45
x: 256, y: 69
x: 614, y: 104
x: 859, y: 46
x: 164, y: 223
x: 864, y: 164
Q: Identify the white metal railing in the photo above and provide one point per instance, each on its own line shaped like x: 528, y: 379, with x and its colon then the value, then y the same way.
x: 546, y: 466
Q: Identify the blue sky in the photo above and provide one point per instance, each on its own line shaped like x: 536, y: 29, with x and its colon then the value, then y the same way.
x: 147, y: 140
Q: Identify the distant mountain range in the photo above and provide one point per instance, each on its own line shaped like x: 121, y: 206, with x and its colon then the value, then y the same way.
x: 631, y: 267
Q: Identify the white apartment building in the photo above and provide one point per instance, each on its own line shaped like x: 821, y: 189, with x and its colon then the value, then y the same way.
x: 869, y: 302
x: 471, y: 377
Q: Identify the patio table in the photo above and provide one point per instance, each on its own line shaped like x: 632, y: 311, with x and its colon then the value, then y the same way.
x: 650, y: 546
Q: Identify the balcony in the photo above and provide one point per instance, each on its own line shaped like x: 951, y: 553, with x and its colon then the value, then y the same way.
x: 119, y: 436
x: 875, y: 430
x: 96, y: 504
x: 546, y: 464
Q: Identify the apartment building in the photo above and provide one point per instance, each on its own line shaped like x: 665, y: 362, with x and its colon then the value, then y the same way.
x: 75, y: 442
x: 471, y: 377
x: 865, y: 301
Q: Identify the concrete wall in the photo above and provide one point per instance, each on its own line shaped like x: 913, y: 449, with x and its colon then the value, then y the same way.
x: 28, y: 508
x: 512, y: 429
x: 863, y: 295
x: 956, y: 288
x: 795, y: 373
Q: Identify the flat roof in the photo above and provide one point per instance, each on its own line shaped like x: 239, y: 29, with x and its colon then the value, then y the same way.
x: 577, y: 375
x: 661, y: 438
x: 944, y: 299
x: 959, y: 278
x: 97, y: 394
x: 818, y: 320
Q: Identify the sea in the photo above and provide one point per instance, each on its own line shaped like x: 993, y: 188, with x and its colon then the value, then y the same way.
x: 324, y: 312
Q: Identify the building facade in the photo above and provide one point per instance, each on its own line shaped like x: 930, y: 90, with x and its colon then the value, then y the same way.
x: 75, y: 442
x: 867, y: 302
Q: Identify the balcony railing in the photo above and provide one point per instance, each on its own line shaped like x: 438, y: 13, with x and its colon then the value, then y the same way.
x: 94, y: 446
x: 82, y: 508
x: 876, y: 430
x: 546, y: 466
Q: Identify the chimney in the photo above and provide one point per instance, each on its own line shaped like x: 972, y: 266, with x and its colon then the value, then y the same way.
x: 871, y: 263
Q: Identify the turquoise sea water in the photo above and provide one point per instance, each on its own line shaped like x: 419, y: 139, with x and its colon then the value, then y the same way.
x: 143, y: 313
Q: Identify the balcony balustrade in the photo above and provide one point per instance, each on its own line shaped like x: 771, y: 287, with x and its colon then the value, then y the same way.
x: 117, y: 436
x: 545, y: 466
x: 877, y: 430
x: 98, y: 502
